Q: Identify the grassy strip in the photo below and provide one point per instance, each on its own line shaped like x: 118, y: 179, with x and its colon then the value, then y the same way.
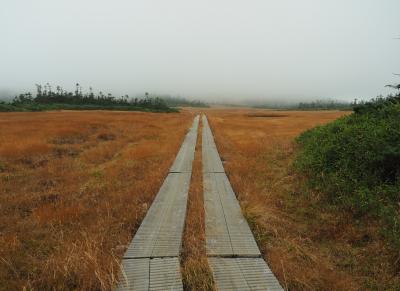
x: 196, y: 272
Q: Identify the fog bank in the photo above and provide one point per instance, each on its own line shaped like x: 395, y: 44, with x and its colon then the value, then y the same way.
x: 210, y: 50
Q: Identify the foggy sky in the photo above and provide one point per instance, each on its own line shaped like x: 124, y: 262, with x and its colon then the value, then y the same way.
x: 218, y: 50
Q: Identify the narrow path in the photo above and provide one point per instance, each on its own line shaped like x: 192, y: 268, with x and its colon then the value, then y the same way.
x: 152, y: 259
x: 232, y: 251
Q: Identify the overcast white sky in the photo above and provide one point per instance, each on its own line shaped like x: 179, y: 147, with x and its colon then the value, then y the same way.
x: 219, y: 49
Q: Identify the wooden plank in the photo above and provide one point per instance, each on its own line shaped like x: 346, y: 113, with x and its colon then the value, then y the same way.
x: 168, y: 242
x: 208, y: 139
x: 227, y: 231
x: 258, y: 275
x: 211, y: 160
x: 165, y: 274
x: 160, y: 233
x: 185, y: 156
x: 150, y: 274
x: 243, y: 274
x: 218, y: 241
x: 232, y: 251
x: 151, y: 260
x: 241, y: 237
x: 135, y: 275
x: 227, y: 275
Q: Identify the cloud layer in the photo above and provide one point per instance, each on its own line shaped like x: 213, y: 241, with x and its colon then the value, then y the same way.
x: 215, y: 50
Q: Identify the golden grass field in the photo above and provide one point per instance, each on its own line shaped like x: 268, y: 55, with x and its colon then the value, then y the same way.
x: 74, y: 187
x: 309, y: 246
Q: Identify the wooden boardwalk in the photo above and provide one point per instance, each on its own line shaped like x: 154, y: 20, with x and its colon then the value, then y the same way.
x: 185, y: 156
x: 211, y: 161
x: 151, y: 261
x: 159, y: 235
x: 232, y: 252
x: 243, y: 274
x: 227, y: 232
x: 150, y: 274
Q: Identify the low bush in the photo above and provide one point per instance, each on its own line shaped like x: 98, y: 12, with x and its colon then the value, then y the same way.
x: 355, y: 162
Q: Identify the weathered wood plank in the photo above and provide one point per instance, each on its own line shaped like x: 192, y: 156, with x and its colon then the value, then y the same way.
x: 227, y: 231
x: 150, y: 274
x: 258, y: 275
x: 185, y: 156
x: 135, y: 275
x: 242, y: 239
x: 160, y: 233
x: 232, y: 251
x: 211, y: 160
x: 243, y: 274
x: 151, y: 260
x: 165, y: 274
x: 218, y: 241
x: 227, y: 275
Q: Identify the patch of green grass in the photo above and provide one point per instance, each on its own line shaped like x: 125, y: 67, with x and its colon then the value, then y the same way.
x: 355, y: 162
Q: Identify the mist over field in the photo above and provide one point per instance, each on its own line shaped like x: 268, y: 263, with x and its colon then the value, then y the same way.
x: 200, y: 145
x: 221, y: 51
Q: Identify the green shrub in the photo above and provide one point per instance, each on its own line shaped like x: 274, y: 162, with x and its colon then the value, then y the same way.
x: 355, y: 161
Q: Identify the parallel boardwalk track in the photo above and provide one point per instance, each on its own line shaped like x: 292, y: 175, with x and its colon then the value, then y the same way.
x: 232, y: 251
x: 151, y: 261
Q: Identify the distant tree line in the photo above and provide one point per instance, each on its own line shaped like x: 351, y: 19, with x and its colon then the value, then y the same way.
x: 48, y: 95
x: 313, y: 105
x: 325, y: 105
x: 180, y: 101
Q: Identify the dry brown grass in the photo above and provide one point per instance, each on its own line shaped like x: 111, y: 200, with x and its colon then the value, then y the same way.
x: 196, y: 273
x: 74, y: 187
x: 309, y: 247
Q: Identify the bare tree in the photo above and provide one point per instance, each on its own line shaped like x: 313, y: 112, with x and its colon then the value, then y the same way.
x: 398, y: 85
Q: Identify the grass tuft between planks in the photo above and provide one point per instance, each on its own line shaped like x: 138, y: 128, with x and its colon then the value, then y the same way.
x: 196, y: 272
